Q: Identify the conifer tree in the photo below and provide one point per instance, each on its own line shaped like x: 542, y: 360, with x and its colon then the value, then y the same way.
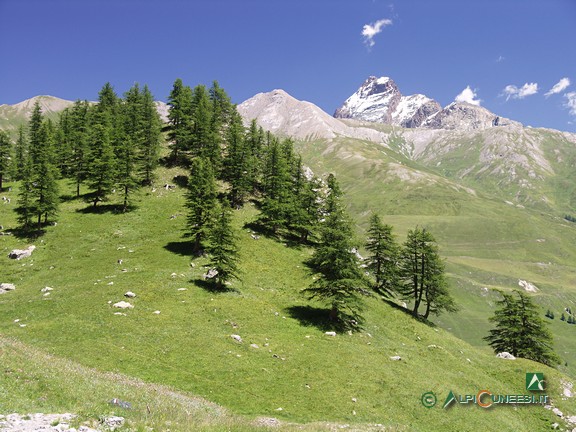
x: 276, y: 188
x: 5, y: 156
x: 422, y: 274
x: 45, y: 175
x: 520, y: 330
x: 151, y: 137
x: 384, y: 255
x: 340, y: 282
x: 238, y: 161
x: 179, y: 118
x: 255, y: 142
x: 21, y: 153
x: 127, y: 152
x: 78, y: 134
x: 222, y: 246
x: 204, y: 140
x: 101, y: 163
x: 201, y: 200
x: 304, y: 205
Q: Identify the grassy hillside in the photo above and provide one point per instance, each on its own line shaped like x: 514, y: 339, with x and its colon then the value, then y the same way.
x: 488, y: 243
x: 296, y: 374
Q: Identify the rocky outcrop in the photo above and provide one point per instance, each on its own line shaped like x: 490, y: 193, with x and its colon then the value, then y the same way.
x: 466, y: 117
x: 18, y: 254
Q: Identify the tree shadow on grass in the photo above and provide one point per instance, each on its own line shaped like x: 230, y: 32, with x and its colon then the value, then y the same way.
x: 29, y: 234
x: 211, y: 287
x: 184, y: 248
x: 310, y: 316
x: 107, y: 208
x: 408, y: 312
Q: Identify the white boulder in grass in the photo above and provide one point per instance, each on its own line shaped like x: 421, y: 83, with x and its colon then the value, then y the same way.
x: 123, y: 305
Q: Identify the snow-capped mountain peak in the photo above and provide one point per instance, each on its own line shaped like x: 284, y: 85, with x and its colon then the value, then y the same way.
x: 380, y: 100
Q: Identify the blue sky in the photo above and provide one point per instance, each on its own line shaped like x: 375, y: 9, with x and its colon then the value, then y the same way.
x: 508, y: 53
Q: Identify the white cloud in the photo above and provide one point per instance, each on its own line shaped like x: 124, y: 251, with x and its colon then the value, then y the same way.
x: 468, y: 95
x: 511, y: 91
x: 571, y: 103
x: 371, y: 30
x: 559, y: 87
x: 500, y: 59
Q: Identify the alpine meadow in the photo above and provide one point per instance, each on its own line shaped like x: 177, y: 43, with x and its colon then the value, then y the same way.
x: 202, y: 265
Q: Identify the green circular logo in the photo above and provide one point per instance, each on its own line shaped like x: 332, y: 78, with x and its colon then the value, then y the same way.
x: 428, y: 399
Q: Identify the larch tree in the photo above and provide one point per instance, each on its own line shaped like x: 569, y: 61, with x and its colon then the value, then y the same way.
x: 520, y: 330
x: 422, y: 274
x: 222, y: 247
x: 339, y: 282
x: 384, y: 255
x: 5, y: 156
x: 201, y: 200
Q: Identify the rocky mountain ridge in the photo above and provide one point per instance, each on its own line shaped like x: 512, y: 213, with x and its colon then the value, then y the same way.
x: 379, y: 100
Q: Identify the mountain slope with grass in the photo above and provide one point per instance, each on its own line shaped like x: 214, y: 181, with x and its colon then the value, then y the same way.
x: 179, y: 332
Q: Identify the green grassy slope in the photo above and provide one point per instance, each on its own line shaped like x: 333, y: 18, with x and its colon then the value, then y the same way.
x: 296, y: 367
x: 488, y: 244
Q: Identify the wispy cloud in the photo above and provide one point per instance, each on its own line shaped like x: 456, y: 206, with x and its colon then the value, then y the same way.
x: 468, y: 95
x: 500, y: 59
x: 571, y: 103
x: 528, y: 89
x: 372, y: 29
x: 559, y: 87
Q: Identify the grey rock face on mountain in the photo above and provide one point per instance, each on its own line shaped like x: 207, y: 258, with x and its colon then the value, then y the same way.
x: 465, y: 116
x: 282, y: 114
x: 379, y: 100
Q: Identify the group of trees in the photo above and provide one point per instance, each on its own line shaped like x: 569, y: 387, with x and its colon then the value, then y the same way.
x: 112, y: 144
x: 520, y: 330
x: 115, y: 144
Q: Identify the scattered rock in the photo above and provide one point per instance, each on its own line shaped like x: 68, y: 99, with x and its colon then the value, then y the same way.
x: 571, y: 420
x: 121, y: 403
x: 396, y: 358
x: 236, y: 337
x: 5, y: 287
x: 156, y: 312
x: 18, y: 254
x: 113, y: 422
x: 182, y: 289
x: 120, y: 314
x: 255, y: 346
x: 557, y: 412
x: 528, y: 287
x: 354, y: 400
x: 267, y: 422
x: 567, y: 389
x: 129, y: 294
x: 123, y: 305
x: 255, y: 237
x: 40, y: 422
x: 211, y: 274
x: 110, y: 283
x: 505, y: 355
x: 46, y: 289
x: 330, y: 333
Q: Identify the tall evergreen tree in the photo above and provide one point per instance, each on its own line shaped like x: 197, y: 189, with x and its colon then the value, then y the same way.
x: 101, y: 162
x: 5, y: 156
x: 179, y: 118
x: 222, y: 246
x: 276, y: 188
x: 238, y: 161
x: 384, y: 254
x: 201, y: 200
x: 21, y: 155
x: 45, y: 175
x: 255, y: 139
x: 520, y: 330
x: 78, y: 134
x: 340, y: 282
x: 204, y: 139
x: 151, y: 137
x: 304, y: 206
x: 422, y: 274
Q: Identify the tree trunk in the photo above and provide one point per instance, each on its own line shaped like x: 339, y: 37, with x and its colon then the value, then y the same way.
x: 333, y: 313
